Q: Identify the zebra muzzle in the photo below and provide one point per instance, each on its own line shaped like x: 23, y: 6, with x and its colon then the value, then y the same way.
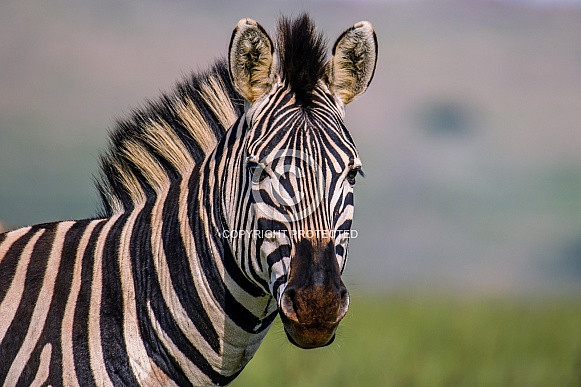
x: 315, y: 299
x: 311, y: 316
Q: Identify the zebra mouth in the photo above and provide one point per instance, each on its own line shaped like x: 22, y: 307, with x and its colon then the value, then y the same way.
x: 309, y: 336
x: 311, y: 316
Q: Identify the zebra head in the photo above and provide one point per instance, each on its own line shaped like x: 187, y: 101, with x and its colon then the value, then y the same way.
x: 300, y: 164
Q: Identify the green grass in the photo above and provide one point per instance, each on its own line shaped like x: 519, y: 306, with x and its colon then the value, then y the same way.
x: 433, y: 341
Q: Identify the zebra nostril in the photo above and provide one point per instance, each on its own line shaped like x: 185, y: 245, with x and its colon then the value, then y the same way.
x: 287, y: 305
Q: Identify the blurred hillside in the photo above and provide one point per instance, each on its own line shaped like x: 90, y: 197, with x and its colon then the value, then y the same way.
x: 470, y: 132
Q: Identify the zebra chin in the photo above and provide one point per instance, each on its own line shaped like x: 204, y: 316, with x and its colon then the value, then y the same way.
x: 309, y: 337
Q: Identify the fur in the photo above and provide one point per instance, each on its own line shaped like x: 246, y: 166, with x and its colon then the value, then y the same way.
x: 303, y: 56
x: 352, y: 66
x: 167, y: 138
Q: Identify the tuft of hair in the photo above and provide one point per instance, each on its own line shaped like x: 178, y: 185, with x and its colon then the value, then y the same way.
x: 303, y: 55
x: 163, y: 141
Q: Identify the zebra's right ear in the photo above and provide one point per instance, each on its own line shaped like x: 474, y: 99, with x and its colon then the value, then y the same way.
x: 250, y: 60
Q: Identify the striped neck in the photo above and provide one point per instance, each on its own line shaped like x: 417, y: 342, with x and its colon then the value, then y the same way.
x: 200, y: 287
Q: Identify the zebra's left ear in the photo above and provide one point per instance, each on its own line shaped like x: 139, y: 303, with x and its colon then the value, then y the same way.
x: 353, y: 63
x: 250, y: 59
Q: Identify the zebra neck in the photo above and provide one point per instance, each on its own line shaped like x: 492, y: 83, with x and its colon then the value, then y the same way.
x: 190, y: 292
x: 245, y: 309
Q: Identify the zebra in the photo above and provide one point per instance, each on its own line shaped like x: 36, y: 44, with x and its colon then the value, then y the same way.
x: 225, y: 203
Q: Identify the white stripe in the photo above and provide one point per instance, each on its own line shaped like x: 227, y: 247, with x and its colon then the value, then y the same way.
x: 95, y: 349
x: 38, y: 319
x: 44, y: 367
x: 14, y: 295
x: 193, y: 373
x: 69, y: 374
x: 211, y: 306
x: 255, y: 305
x: 146, y: 372
x: 169, y: 295
x: 11, y: 237
x: 136, y: 351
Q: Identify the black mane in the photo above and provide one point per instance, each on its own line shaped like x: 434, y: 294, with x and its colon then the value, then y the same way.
x: 303, y: 55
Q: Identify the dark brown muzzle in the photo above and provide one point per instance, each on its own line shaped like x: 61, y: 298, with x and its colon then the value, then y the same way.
x: 315, y: 299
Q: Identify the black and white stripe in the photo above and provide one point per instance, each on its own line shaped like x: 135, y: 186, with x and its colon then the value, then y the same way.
x: 153, y: 291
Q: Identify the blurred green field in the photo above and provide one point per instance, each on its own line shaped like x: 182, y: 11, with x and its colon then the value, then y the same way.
x: 409, y: 340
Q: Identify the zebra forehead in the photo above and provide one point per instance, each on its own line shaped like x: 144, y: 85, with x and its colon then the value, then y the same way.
x: 318, y: 138
x: 311, y: 158
x: 308, y: 150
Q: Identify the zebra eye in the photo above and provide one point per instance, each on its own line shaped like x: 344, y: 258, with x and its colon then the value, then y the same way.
x: 352, y: 174
x: 257, y: 173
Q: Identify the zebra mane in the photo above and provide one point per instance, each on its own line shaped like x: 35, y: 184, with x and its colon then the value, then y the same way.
x: 166, y: 138
x: 303, y: 55
x: 163, y: 140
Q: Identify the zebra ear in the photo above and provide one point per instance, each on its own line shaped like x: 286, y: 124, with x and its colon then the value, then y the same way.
x: 250, y: 59
x: 353, y: 63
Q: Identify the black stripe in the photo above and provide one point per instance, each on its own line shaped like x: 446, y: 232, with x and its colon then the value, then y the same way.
x: 275, y: 108
x: 178, y: 263
x: 164, y: 317
x: 232, y: 157
x: 53, y: 328
x: 81, y: 317
x: 111, y: 314
x: 51, y: 333
x: 279, y: 281
x: 228, y: 260
x: 340, y: 208
x: 267, y: 321
x: 237, y: 312
x: 147, y: 290
x: 18, y: 329
x: 345, y: 226
x: 337, y: 210
x: 277, y: 255
x: 170, y: 327
x: 53, y: 324
x: 10, y: 261
x: 243, y: 211
x: 29, y: 372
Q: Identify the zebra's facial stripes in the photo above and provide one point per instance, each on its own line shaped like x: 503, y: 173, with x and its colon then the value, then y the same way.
x: 301, y: 164
x: 307, y: 210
